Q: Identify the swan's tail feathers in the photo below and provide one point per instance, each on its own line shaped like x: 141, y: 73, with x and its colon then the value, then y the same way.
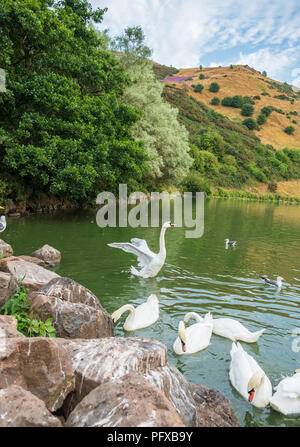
x: 134, y: 271
x: 255, y: 335
x: 152, y: 298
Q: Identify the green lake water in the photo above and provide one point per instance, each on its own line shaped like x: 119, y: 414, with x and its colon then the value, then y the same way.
x: 199, y: 275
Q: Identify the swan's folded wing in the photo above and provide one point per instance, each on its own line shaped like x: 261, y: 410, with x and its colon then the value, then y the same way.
x: 290, y: 387
x: 143, y: 258
x: 142, y: 245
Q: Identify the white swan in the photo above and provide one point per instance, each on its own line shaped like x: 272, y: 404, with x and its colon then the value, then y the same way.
x: 149, y: 262
x: 142, y: 316
x: 248, y: 378
x: 234, y: 330
x: 195, y: 337
x: 286, y: 400
x: 2, y: 221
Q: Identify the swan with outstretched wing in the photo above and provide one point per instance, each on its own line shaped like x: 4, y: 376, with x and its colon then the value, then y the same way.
x: 150, y: 263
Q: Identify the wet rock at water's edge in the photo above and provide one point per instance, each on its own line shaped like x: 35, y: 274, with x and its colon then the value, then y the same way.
x: 129, y: 401
x: 48, y: 254
x: 34, y: 275
x: 20, y: 408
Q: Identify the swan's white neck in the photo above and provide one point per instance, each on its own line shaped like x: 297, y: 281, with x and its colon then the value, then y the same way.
x: 125, y: 308
x: 162, y: 245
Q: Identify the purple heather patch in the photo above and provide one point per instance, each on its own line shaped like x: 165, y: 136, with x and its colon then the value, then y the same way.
x: 176, y: 78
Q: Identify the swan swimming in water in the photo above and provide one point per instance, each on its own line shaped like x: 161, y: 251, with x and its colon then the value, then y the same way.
x: 234, y: 330
x: 248, y: 378
x: 142, y: 316
x: 286, y: 399
x: 195, y: 337
x: 150, y: 262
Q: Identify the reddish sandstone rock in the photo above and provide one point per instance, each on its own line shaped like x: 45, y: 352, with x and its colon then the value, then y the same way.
x: 5, y: 249
x: 39, y: 365
x: 34, y: 275
x: 7, y: 286
x: 129, y: 401
x: 20, y: 408
x: 213, y: 409
x: 8, y: 327
x: 76, y: 311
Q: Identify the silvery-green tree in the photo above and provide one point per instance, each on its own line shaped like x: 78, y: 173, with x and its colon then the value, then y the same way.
x: 166, y: 139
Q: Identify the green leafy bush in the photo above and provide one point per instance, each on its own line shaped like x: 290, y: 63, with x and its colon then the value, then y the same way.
x: 19, y: 307
x: 201, y: 76
x: 250, y: 123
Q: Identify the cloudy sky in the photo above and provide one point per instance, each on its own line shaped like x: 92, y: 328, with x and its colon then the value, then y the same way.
x: 264, y: 34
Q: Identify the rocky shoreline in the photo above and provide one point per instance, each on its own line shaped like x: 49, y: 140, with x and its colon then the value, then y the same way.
x: 86, y: 377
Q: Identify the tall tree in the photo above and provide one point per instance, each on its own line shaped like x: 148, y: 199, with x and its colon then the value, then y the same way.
x: 166, y: 139
x: 63, y: 128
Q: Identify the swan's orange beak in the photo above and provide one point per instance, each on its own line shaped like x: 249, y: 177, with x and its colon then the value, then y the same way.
x: 172, y: 224
x: 251, y: 395
x: 183, y: 345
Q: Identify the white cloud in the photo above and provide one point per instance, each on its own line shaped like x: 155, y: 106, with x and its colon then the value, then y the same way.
x: 180, y: 32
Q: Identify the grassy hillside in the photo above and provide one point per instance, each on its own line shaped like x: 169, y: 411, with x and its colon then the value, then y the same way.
x: 227, y: 153
x: 264, y: 92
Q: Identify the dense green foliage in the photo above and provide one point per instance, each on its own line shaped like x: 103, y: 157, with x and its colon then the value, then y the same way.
x: 63, y: 128
x: 166, y: 141
x: 250, y: 123
x: 19, y: 307
x: 225, y: 153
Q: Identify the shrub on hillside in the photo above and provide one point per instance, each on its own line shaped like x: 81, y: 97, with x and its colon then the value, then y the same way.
x: 289, y: 130
x: 261, y: 119
x: 214, y: 87
x: 250, y: 123
x: 198, y: 88
x: 215, y: 101
x: 247, y: 110
x: 201, y: 76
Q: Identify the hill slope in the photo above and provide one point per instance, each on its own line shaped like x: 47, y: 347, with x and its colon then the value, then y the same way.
x: 245, y: 81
